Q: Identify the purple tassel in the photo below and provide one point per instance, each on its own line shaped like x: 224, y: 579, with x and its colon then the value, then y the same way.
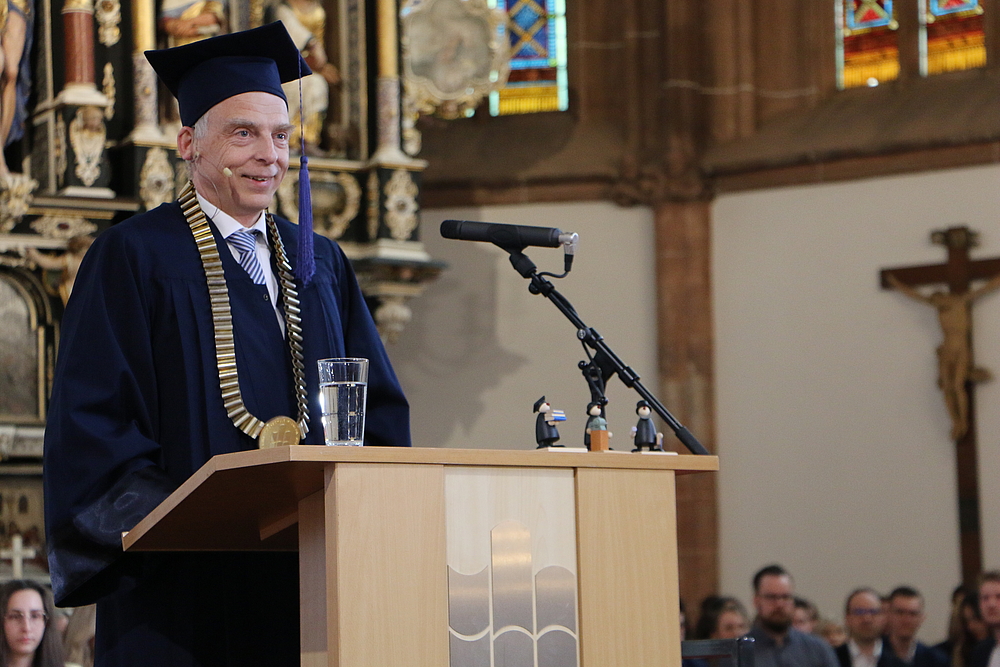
x: 305, y: 267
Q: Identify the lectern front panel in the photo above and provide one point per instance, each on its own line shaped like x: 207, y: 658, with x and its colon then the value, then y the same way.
x: 512, y: 564
x: 627, y: 531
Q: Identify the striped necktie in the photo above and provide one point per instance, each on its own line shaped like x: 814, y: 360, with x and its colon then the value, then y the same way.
x: 245, y: 243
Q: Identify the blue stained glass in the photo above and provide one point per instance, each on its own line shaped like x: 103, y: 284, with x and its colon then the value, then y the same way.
x: 944, y: 7
x: 525, y: 18
x: 528, y: 63
x: 529, y: 31
x: 537, y: 82
x: 869, y: 14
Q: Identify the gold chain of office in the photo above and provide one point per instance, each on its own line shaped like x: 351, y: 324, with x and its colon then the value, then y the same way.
x: 222, y: 321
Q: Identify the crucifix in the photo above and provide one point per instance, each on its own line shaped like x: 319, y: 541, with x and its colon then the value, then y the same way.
x: 957, y: 373
x: 17, y: 554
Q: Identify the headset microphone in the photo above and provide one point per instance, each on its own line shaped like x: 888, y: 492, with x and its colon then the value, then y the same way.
x: 226, y: 171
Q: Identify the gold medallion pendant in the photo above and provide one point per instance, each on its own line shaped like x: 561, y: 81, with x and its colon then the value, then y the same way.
x: 278, y: 432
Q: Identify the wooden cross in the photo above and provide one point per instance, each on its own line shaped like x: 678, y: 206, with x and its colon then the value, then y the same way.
x: 17, y: 554
x: 958, y: 373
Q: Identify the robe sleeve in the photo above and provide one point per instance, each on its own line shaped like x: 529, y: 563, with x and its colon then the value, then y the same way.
x: 387, y: 419
x: 101, y: 472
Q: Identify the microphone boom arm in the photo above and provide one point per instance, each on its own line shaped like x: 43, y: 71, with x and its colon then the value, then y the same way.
x: 604, y: 357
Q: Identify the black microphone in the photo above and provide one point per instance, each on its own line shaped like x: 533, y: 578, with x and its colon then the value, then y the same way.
x: 505, y: 236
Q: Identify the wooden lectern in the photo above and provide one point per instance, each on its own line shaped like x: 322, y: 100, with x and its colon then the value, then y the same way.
x: 452, y: 558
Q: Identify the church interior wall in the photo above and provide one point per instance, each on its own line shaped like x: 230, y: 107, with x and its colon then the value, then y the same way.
x: 836, y: 459
x: 481, y: 349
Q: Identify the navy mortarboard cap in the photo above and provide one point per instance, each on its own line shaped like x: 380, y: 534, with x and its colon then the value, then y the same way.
x: 204, y: 73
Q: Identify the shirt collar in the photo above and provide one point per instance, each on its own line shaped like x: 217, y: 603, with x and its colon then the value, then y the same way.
x: 855, y: 650
x: 225, y: 223
x: 910, y: 652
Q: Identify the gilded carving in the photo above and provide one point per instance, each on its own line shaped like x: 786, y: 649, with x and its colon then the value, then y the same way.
x: 412, y: 138
x: 110, y: 90
x: 15, y: 198
x: 336, y: 200
x: 156, y: 180
x: 373, y: 207
x: 256, y: 13
x: 63, y: 226
x: 454, y: 54
x: 67, y: 263
x: 78, y: 6
x: 59, y: 150
x: 86, y: 135
x: 109, y: 15
x: 401, y: 205
x: 391, y: 317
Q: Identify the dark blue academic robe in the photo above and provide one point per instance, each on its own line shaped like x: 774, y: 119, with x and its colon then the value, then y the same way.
x: 136, y: 409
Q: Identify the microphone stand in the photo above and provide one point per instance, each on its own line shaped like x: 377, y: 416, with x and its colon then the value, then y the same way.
x: 605, y: 362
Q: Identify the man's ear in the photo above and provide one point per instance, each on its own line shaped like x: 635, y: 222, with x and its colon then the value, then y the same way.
x: 185, y: 143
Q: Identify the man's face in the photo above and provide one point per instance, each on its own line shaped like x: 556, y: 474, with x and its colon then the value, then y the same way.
x: 989, y: 603
x: 906, y: 614
x: 248, y: 135
x: 865, y: 619
x: 774, y: 603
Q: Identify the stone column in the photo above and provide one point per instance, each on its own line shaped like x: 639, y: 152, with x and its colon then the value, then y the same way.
x: 687, y: 382
x: 387, y: 91
x: 78, y: 23
x: 80, y: 109
x: 145, y: 96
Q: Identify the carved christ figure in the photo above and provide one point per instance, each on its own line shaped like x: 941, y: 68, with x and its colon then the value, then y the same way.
x: 16, y: 19
x: 955, y: 352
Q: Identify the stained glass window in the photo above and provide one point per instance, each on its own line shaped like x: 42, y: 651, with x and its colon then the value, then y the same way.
x: 867, y: 47
x: 951, y: 35
x: 537, y: 81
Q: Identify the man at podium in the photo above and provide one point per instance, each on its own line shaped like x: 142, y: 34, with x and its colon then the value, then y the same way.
x: 144, y: 391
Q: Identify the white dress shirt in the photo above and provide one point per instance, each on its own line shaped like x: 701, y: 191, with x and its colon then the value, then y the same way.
x: 226, y: 225
x: 859, y: 659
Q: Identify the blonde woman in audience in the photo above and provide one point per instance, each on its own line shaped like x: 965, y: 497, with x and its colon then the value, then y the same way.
x: 721, y: 618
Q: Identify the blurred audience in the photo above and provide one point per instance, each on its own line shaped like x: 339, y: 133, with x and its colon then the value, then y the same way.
x: 985, y: 653
x: 776, y: 642
x: 721, y: 618
x: 805, y: 617
x: 831, y: 631
x: 906, y: 615
x: 865, y: 623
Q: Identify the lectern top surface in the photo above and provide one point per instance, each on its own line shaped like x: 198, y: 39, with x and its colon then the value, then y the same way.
x: 249, y: 500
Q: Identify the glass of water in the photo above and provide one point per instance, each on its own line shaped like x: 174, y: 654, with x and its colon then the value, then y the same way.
x: 343, y: 391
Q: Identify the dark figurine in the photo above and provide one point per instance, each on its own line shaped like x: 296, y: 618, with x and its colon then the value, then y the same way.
x: 546, y: 433
x: 595, y: 422
x: 644, y: 433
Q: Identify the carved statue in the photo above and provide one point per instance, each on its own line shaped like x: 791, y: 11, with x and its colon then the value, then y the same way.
x: 185, y: 21
x: 955, y: 352
x: 16, y: 19
x: 305, y: 21
x: 68, y: 262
